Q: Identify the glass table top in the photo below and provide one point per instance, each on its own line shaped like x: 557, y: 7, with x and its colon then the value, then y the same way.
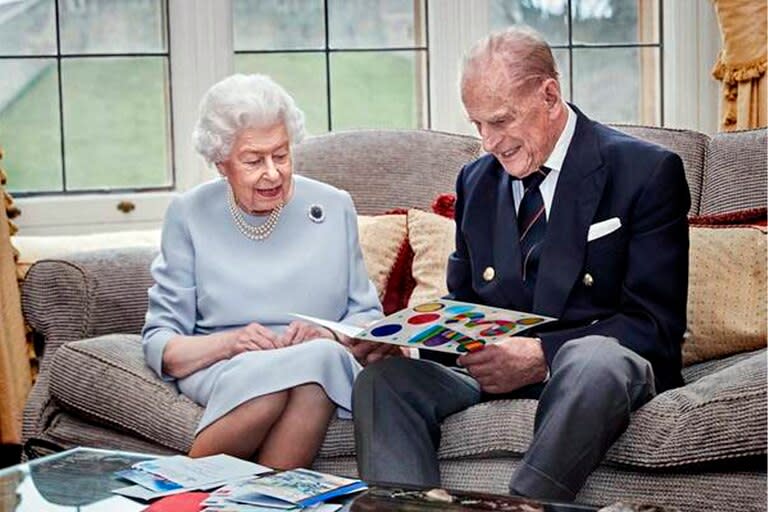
x: 80, y: 479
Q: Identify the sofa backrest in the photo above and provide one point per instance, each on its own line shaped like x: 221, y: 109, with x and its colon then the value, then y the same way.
x: 691, y: 146
x: 387, y: 169
x: 735, y: 172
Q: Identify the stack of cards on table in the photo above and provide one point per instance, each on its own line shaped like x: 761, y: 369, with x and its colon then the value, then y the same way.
x: 173, y: 475
x: 285, y: 490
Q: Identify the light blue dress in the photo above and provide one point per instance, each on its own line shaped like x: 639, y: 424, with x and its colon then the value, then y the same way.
x: 209, y: 277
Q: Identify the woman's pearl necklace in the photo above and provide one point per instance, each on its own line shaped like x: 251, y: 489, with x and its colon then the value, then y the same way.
x: 260, y: 232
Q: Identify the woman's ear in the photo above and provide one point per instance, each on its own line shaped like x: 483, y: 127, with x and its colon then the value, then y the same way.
x: 222, y: 168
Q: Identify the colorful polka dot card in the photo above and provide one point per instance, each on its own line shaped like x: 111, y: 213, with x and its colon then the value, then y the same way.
x: 446, y: 326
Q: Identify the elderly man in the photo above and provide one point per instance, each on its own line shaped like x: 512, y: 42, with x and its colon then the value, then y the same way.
x: 563, y: 217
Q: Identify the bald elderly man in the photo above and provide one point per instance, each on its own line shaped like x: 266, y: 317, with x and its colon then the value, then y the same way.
x: 563, y: 217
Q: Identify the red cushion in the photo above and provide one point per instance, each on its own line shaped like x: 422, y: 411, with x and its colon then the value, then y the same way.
x: 445, y: 205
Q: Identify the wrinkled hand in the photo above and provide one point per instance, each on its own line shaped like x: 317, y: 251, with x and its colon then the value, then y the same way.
x: 367, y: 352
x: 253, y: 336
x: 299, y: 332
x: 506, y: 366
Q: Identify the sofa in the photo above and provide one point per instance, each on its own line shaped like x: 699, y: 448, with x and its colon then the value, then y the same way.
x: 698, y: 447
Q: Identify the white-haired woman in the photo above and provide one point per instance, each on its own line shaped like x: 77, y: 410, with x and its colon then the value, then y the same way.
x: 238, y: 256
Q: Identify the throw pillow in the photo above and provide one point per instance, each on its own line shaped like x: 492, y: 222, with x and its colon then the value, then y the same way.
x: 726, y: 291
x: 383, y: 242
x: 432, y: 239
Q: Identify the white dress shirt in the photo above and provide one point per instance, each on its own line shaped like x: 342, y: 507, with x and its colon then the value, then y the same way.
x: 554, y: 162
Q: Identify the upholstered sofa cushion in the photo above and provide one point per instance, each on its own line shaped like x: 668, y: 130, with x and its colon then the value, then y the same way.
x: 735, y: 172
x: 432, y: 240
x: 690, y: 145
x: 381, y: 240
x: 106, y: 380
x: 722, y: 415
x: 386, y: 169
x: 726, y: 292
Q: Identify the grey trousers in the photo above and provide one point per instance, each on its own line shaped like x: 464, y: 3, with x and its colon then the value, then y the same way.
x: 595, y: 383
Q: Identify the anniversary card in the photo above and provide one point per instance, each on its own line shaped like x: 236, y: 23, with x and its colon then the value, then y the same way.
x: 443, y: 325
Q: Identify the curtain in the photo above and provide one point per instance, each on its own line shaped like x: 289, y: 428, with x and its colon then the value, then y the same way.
x: 15, y: 374
x: 741, y: 64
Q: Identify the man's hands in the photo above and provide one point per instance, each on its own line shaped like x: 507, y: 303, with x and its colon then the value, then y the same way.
x: 506, y: 366
x: 367, y: 352
x: 255, y: 336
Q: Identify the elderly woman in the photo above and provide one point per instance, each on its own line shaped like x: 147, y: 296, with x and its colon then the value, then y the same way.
x: 239, y: 255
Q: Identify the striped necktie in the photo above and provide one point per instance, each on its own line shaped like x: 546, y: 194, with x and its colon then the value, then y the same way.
x: 532, y: 226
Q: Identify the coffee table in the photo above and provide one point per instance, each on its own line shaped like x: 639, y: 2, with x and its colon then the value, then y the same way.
x: 78, y: 479
x: 82, y: 479
x: 410, y: 499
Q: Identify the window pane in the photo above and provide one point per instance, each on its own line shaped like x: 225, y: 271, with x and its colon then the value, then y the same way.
x: 112, y: 26
x: 618, y: 84
x: 302, y: 75
x: 615, y: 21
x: 29, y: 124
x: 378, y: 90
x: 28, y: 28
x: 115, y: 122
x: 561, y: 59
x: 278, y: 24
x: 549, y: 17
x: 376, y: 23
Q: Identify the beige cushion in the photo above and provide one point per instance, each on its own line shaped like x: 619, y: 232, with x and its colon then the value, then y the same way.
x: 381, y: 238
x: 726, y: 292
x: 432, y: 240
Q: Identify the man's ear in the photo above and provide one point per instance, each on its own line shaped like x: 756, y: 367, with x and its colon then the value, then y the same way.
x: 551, y: 89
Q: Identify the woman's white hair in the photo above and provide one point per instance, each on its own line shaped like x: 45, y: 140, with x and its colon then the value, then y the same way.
x: 239, y: 102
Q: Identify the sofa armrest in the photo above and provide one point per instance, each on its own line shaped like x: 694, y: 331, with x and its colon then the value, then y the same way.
x: 87, y: 294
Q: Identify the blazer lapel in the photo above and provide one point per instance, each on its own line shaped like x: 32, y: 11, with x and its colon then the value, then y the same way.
x: 506, y: 245
x: 497, y: 245
x: 579, y: 189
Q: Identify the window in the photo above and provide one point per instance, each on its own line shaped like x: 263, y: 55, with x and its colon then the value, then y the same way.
x: 608, y: 52
x: 360, y: 64
x: 98, y: 98
x: 84, y: 95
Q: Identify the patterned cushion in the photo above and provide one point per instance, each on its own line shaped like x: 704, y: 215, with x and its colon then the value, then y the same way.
x: 735, y: 172
x: 726, y: 292
x: 382, y: 238
x: 432, y: 239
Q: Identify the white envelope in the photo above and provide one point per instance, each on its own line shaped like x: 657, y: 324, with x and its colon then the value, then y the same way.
x: 602, y: 228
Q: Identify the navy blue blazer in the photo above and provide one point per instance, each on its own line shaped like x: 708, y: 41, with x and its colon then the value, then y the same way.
x: 639, y: 273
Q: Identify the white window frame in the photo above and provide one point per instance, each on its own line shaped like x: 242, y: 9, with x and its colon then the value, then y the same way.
x: 200, y: 44
x: 201, y: 53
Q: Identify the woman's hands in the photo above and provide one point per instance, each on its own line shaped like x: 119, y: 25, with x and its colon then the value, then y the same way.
x: 299, y: 332
x: 255, y: 336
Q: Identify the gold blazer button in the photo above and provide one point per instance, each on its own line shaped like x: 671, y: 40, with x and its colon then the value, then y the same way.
x: 588, y: 280
x: 489, y: 273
